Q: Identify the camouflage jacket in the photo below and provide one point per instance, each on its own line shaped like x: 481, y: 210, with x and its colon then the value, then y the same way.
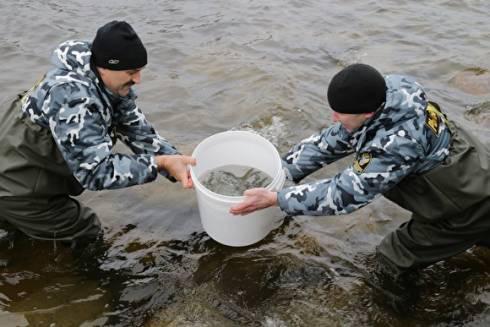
x: 85, y: 119
x: 407, y: 136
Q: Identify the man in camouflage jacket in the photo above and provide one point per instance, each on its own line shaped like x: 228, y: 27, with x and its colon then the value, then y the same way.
x: 405, y: 149
x: 57, y: 139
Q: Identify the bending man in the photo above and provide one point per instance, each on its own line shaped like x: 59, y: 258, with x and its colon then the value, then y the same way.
x: 57, y: 139
x: 405, y: 149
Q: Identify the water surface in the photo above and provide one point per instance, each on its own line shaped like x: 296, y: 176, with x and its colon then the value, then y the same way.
x: 263, y: 66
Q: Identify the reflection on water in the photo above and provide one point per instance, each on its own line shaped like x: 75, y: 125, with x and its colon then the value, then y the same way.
x: 290, y: 278
x: 41, y: 282
x: 263, y: 66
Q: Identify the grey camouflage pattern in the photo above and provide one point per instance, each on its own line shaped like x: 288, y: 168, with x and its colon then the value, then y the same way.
x: 86, y: 119
x: 396, y: 139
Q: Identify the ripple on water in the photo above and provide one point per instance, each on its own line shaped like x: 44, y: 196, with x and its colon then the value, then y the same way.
x: 214, y: 66
x: 41, y: 283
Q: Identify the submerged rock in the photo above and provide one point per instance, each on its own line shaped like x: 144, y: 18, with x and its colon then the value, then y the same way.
x: 480, y: 114
x: 474, y: 81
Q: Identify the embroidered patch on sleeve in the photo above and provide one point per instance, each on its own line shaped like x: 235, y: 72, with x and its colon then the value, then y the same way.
x: 361, y: 162
x: 433, y: 118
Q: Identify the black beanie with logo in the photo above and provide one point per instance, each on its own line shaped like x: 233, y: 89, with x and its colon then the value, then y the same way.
x: 357, y: 89
x: 116, y: 46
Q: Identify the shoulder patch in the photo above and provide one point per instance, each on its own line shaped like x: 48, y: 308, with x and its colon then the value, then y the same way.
x: 433, y: 118
x: 362, y: 161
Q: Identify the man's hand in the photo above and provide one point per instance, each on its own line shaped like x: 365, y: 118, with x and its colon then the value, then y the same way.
x: 255, y: 199
x: 176, y: 166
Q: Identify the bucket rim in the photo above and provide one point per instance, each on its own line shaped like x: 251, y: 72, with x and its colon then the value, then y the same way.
x: 228, y: 198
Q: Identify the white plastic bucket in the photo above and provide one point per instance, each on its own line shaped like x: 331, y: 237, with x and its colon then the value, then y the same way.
x: 236, y: 148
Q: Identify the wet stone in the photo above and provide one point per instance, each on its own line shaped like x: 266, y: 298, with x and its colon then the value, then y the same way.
x: 474, y: 81
x: 233, y: 180
x: 479, y: 114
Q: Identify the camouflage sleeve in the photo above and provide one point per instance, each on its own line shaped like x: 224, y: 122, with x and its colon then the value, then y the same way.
x: 372, y: 173
x: 139, y: 135
x: 82, y: 134
x: 316, y: 151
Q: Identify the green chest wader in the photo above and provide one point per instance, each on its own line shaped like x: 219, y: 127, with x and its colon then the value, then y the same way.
x: 450, y: 206
x: 35, y: 182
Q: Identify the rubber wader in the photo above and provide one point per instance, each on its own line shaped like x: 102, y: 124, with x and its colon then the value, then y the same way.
x: 36, y: 183
x: 450, y: 206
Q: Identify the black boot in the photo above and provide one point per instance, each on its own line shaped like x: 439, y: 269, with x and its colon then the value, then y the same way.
x: 393, y: 286
x: 8, y: 234
x: 485, y: 243
x: 89, y: 251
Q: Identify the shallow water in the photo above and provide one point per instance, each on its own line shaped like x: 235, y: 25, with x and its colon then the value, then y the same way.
x: 263, y: 66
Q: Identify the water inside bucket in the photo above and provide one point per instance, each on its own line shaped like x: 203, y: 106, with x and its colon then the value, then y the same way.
x: 233, y: 180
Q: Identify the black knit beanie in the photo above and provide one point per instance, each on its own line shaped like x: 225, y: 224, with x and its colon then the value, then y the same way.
x: 117, y: 47
x: 356, y: 89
